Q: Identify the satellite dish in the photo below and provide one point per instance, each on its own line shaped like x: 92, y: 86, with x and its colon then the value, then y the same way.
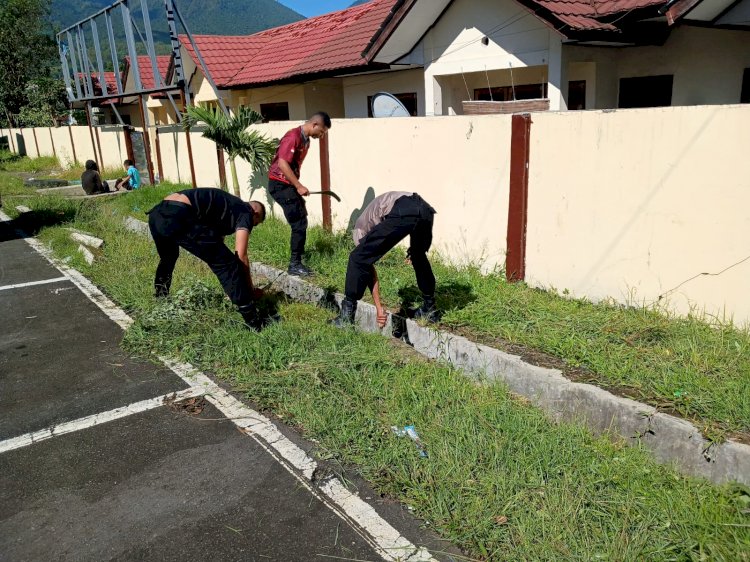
x: 387, y: 105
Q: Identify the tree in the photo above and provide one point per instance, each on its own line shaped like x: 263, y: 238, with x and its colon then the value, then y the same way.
x: 27, y: 50
x: 46, y: 99
x: 230, y: 133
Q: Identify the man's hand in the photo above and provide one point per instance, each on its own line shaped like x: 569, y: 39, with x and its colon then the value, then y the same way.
x: 302, y: 190
x: 382, y: 317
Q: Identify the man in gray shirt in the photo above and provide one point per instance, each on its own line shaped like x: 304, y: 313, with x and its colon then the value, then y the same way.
x: 386, y: 221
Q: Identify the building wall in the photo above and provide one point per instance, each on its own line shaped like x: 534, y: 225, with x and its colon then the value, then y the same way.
x: 325, y: 95
x: 357, y: 88
x: 707, y: 65
x: 516, y: 38
x: 630, y: 204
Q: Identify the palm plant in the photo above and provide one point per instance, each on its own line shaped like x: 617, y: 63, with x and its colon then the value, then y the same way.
x: 230, y: 133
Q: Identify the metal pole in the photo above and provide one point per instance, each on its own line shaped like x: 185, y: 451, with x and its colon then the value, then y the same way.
x: 158, y: 82
x: 66, y: 71
x: 117, y: 114
x: 113, y: 49
x: 206, y: 73
x: 179, y: 71
x: 99, y: 63
x: 132, y: 53
x: 85, y: 59
x: 72, y: 49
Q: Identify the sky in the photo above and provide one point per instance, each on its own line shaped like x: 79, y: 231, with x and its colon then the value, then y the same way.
x: 316, y: 7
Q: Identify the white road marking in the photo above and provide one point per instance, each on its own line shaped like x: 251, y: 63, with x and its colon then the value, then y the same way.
x: 363, y: 518
x: 96, y: 419
x: 33, y: 283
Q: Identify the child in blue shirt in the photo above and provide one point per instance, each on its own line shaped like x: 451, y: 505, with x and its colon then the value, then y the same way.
x: 132, y: 180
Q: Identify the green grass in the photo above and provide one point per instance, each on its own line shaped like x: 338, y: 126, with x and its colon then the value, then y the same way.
x: 686, y: 366
x: 11, y: 163
x: 501, y: 481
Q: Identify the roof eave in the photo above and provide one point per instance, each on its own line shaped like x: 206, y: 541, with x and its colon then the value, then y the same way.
x: 301, y: 78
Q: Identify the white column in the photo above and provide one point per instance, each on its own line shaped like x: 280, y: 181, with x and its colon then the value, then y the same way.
x: 557, y: 80
x: 433, y: 95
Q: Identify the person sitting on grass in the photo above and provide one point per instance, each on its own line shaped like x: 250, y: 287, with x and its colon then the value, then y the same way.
x: 198, y: 220
x: 132, y: 180
x: 91, y: 180
x: 387, y: 220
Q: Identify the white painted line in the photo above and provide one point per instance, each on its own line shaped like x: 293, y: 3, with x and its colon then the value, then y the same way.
x: 363, y: 518
x: 96, y: 419
x: 33, y: 283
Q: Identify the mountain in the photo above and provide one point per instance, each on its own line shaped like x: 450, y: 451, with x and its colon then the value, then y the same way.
x: 216, y: 17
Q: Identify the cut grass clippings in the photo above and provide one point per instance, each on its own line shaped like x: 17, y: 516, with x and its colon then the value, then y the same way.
x: 501, y: 480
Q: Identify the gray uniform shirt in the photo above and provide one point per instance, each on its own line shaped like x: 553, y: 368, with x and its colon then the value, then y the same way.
x: 375, y: 213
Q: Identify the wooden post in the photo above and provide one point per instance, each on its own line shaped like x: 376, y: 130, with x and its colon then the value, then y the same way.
x: 36, y: 142
x: 128, y: 142
x: 515, y: 259
x: 158, y: 154
x: 146, y: 140
x: 52, y: 140
x: 222, y: 169
x: 325, y: 182
x: 72, y: 145
x: 189, y: 149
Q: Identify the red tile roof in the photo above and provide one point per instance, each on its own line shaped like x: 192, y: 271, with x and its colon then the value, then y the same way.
x: 148, y: 81
x: 329, y: 42
x: 108, y: 76
x: 588, y: 15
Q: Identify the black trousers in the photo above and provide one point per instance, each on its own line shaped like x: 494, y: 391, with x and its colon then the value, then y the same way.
x: 173, y: 226
x: 410, y: 216
x: 295, y: 212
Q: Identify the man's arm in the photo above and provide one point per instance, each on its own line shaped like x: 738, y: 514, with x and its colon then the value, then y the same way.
x: 375, y: 290
x: 241, y: 239
x: 294, y: 180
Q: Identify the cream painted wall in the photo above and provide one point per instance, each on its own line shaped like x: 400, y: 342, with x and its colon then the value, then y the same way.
x: 293, y: 94
x: 174, y: 154
x: 114, y: 151
x: 631, y: 203
x: 453, y: 46
x: 63, y: 147
x: 325, y: 95
x: 45, y: 141
x: 707, y: 65
x: 459, y: 165
x: 82, y: 139
x: 357, y: 88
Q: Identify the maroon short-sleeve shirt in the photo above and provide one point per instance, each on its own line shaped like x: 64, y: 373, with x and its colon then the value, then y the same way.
x: 293, y: 148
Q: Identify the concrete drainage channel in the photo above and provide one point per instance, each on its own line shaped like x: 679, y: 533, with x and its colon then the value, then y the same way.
x: 671, y: 440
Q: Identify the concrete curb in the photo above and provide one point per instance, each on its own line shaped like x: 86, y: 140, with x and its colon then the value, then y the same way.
x: 671, y: 440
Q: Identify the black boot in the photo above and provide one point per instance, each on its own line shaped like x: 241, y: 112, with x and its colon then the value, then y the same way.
x: 250, y: 315
x: 161, y: 291
x: 427, y: 311
x: 346, y: 316
x: 297, y: 268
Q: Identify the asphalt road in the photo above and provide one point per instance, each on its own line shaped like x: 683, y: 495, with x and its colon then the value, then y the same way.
x: 175, y: 481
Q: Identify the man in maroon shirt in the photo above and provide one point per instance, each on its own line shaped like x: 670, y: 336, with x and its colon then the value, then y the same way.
x: 286, y: 189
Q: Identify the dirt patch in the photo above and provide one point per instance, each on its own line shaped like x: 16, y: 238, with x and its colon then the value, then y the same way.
x: 189, y: 406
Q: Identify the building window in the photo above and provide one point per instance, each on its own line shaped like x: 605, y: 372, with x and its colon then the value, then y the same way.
x: 577, y: 94
x: 646, y: 91
x: 277, y: 111
x: 408, y: 99
x: 510, y: 93
x: 745, y: 94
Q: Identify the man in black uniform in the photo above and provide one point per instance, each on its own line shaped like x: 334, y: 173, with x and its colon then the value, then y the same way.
x: 386, y: 221
x: 198, y: 220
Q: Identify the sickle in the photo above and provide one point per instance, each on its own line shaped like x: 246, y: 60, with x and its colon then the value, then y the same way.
x: 329, y: 193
